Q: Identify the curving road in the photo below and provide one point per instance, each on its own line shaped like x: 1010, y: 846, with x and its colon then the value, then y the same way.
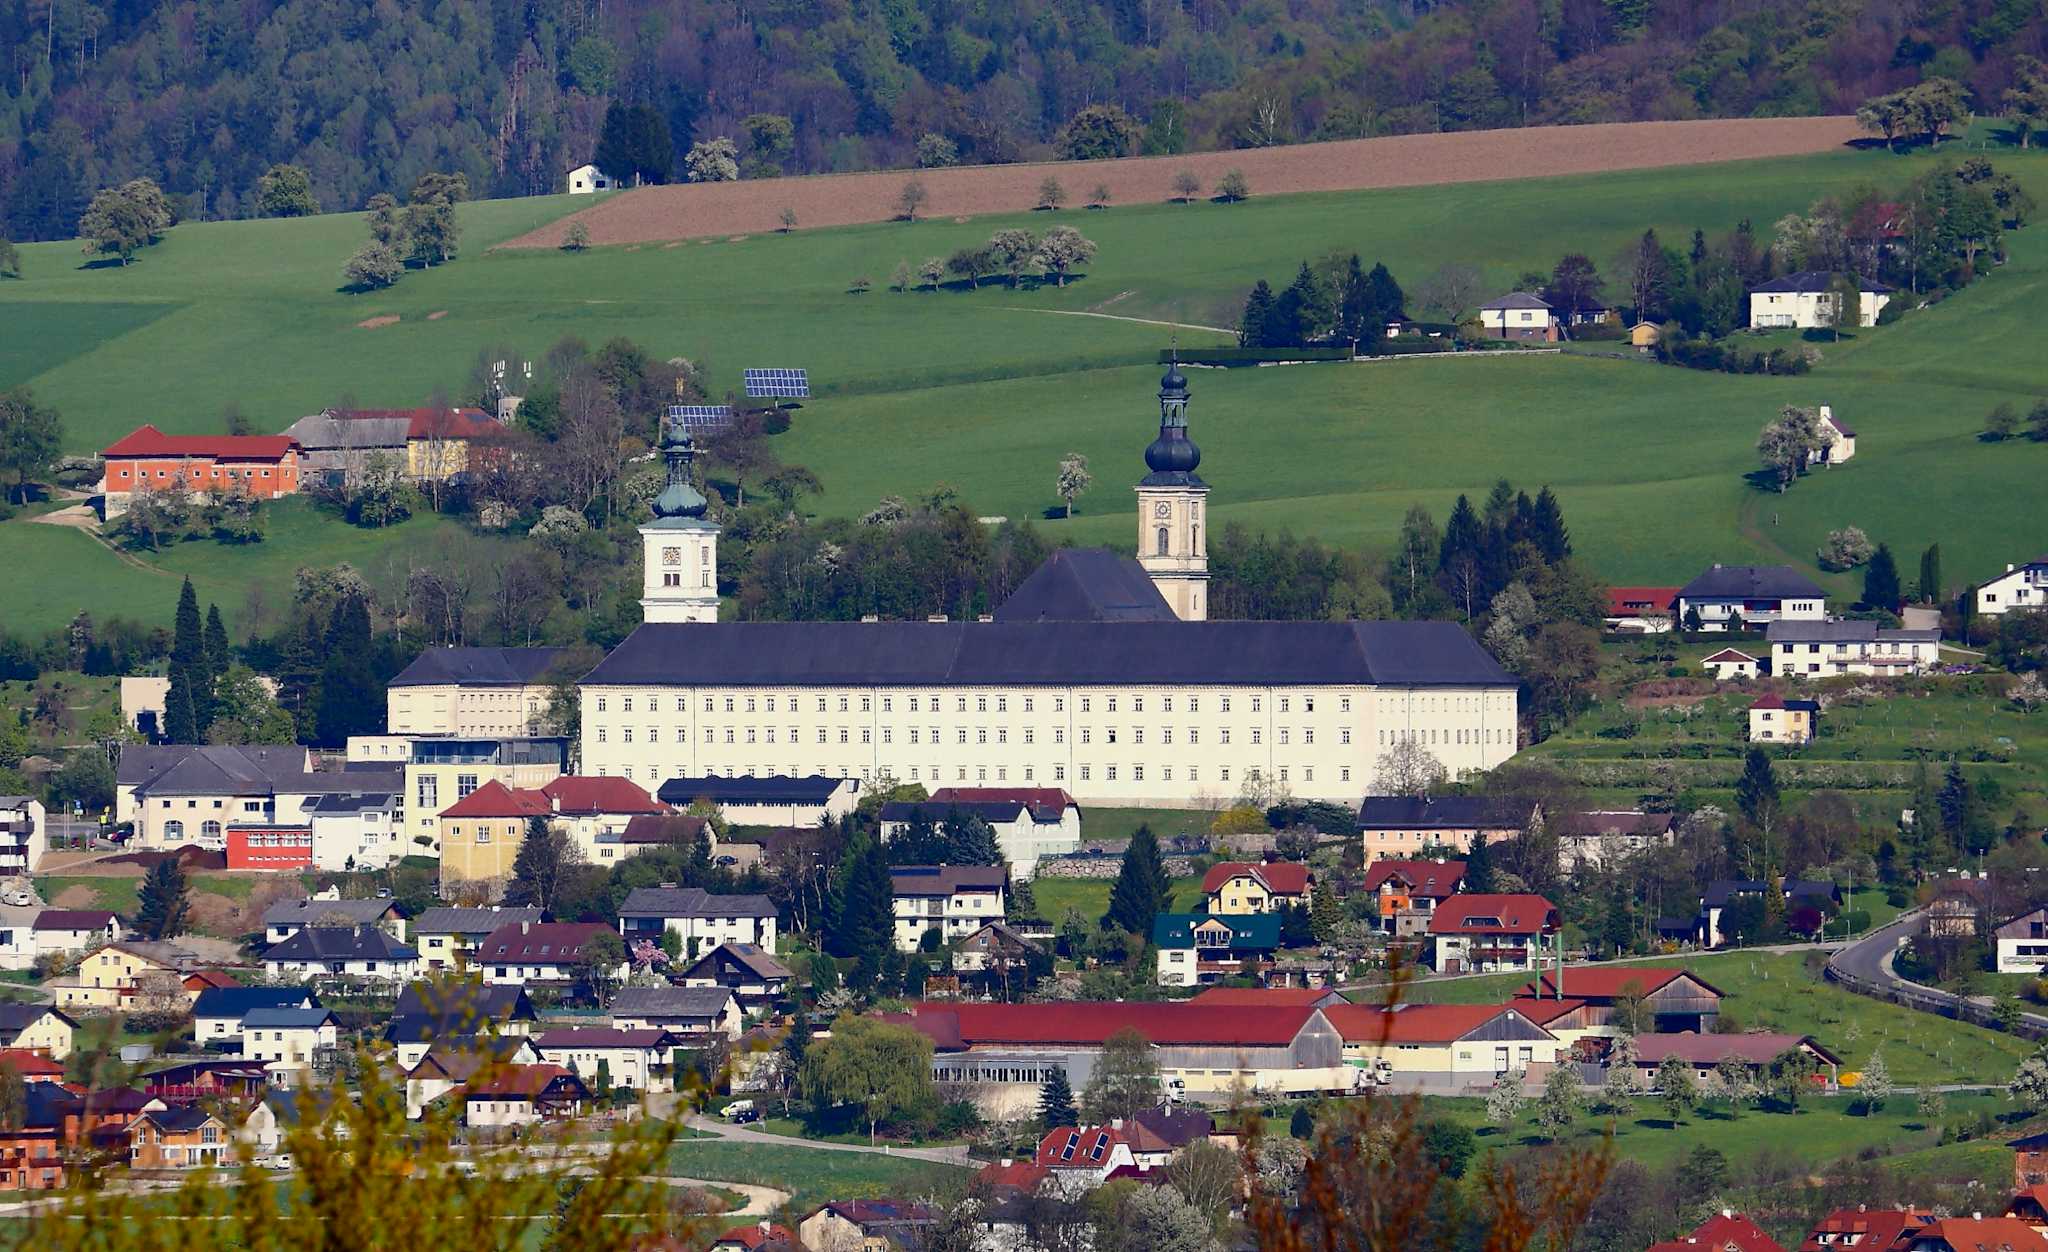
x: 1866, y: 967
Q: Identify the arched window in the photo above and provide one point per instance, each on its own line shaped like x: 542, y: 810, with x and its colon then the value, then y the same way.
x: 1162, y: 541
x: 209, y: 830
x: 174, y: 830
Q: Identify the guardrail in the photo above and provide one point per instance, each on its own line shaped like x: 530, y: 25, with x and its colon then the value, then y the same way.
x: 1940, y: 1003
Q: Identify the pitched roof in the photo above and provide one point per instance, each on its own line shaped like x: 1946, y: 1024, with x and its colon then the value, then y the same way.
x: 1751, y: 582
x: 1444, y: 813
x: 237, y: 1002
x: 147, y: 440
x: 459, y: 1058
x: 1982, y: 1234
x: 287, y: 1019
x: 1628, y: 601
x: 305, y: 912
x: 1729, y: 655
x: 1608, y: 982
x: 576, y: 793
x: 1828, y: 415
x: 479, y: 667
x: 1517, y: 300
x: 1867, y: 1230
x: 602, y: 1037
x: 1756, y: 1047
x: 1086, y: 585
x: 1047, y: 803
x: 640, y: 1003
x: 524, y: 1082
x: 543, y: 943
x: 1176, y: 1127
x: 1814, y: 282
x: 465, y: 1004
x: 1776, y: 701
x: 945, y: 880
x: 1286, y: 878
x: 340, y: 943
x: 1493, y: 915
x: 1021, y: 1176
x: 325, y: 432
x: 451, y: 423
x: 19, y: 1015
x: 1165, y: 1023
x: 1614, y: 822
x: 1845, y: 632
x: 750, y: 956
x: 1413, y: 1023
x: 74, y: 919
x: 1724, y: 1232
x: 763, y: 1236
x: 692, y: 902
x: 994, y: 812
x: 452, y: 921
x: 1078, y: 1147
x: 1434, y: 880
x: 1267, y: 997
x: 180, y: 1119
x: 892, y: 654
x: 775, y: 789
x: 495, y: 799
x: 659, y: 828
x: 1250, y: 932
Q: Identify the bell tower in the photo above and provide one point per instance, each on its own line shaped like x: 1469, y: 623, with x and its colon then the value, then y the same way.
x: 679, y: 579
x: 1172, y: 545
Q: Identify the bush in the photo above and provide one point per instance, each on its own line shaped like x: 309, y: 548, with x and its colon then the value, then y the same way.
x: 776, y: 422
x: 1411, y: 345
x: 1600, y: 332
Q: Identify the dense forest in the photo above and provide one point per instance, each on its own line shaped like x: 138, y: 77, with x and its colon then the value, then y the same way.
x: 369, y: 94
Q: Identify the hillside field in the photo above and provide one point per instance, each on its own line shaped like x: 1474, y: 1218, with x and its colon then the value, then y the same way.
x: 986, y: 389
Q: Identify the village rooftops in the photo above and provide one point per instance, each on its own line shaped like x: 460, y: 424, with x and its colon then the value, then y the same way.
x: 991, y: 811
x: 751, y: 957
x: 1268, y: 997
x: 453, y: 921
x: 946, y: 880
x: 1818, y: 282
x: 1444, y: 813
x: 74, y: 919
x: 1286, y: 878
x: 147, y: 441
x: 1754, y: 1048
x: 363, y: 912
x: 640, y: 1003
x: 1047, y: 804
x: 495, y: 799
x: 538, y: 943
x: 1520, y: 914
x: 282, y: 1018
x: 602, y: 1037
x: 666, y: 902
x: 340, y: 943
x: 1434, y: 880
x: 576, y: 793
x: 238, y: 1002
x: 1724, y: 1232
x: 1721, y: 892
x: 1610, y: 982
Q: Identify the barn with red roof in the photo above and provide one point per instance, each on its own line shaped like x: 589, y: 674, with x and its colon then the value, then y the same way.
x: 147, y: 459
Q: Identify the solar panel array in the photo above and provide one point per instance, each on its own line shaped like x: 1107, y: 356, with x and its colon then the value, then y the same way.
x: 778, y: 384
x: 700, y: 416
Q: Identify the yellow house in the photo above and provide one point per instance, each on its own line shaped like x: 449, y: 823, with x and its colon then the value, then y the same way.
x: 480, y: 833
x: 1774, y: 719
x: 114, y: 976
x: 443, y: 772
x: 1644, y: 336
x: 36, y: 1028
x: 438, y: 441
x: 1469, y: 1044
x: 1242, y: 887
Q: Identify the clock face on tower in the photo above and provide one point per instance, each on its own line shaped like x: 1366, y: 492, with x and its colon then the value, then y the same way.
x: 671, y: 556
x: 1162, y: 509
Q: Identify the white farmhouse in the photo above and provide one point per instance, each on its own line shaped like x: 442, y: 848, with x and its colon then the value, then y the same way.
x: 2019, y: 587
x: 1804, y: 301
x: 1518, y: 315
x: 1831, y: 649
x: 1752, y: 594
x: 587, y: 178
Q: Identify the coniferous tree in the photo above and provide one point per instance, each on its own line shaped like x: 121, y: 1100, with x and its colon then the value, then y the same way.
x: 1023, y: 904
x: 1547, y: 529
x: 218, y: 656
x: 1354, y: 314
x: 349, y: 701
x: 537, y: 870
x: 862, y: 910
x: 614, y: 155
x: 970, y: 841
x: 161, y: 901
x: 1756, y: 794
x: 186, y: 704
x: 1881, y: 580
x: 1325, y: 915
x: 1926, y: 829
x: 1930, y: 575
x: 1480, y: 878
x: 1258, y: 315
x: 919, y: 842
x: 1141, y: 886
x: 1384, y: 299
x: 1056, y: 1101
x: 1961, y: 814
x: 181, y: 719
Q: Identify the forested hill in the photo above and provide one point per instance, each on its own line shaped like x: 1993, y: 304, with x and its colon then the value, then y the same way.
x: 203, y: 95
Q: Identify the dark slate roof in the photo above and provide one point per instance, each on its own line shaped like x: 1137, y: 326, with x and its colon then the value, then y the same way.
x: 923, y: 654
x: 1517, y: 300
x: 1810, y: 282
x: 340, y: 943
x: 447, y: 921
x: 776, y: 789
x: 468, y: 1002
x: 643, y: 1002
x: 181, y: 1119
x: 355, y: 801
x: 752, y: 957
x: 16, y: 1016
x: 1445, y: 812
x: 237, y: 1002
x: 1845, y: 632
x: 1751, y: 582
x: 307, y: 912
x: 1086, y: 585
x: 946, y: 880
x: 478, y: 667
x: 692, y: 902
x: 212, y: 769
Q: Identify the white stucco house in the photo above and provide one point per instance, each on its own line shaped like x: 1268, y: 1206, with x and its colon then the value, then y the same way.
x: 955, y: 900
x: 2019, y: 587
x: 1731, y: 663
x: 2023, y: 944
x: 1518, y: 315
x: 587, y: 178
x: 1804, y: 301
x: 1752, y: 594
x: 1837, y: 440
x: 1831, y: 649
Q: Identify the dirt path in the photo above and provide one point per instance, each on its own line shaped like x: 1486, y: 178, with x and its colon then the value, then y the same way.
x: 761, y: 1201
x: 700, y: 210
x: 1111, y: 317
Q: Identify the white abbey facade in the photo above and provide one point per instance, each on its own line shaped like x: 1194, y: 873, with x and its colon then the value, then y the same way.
x: 1100, y: 675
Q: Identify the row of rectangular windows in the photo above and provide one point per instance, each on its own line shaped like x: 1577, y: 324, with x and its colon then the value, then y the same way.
x: 1059, y: 703
x: 655, y: 774
x: 1059, y: 734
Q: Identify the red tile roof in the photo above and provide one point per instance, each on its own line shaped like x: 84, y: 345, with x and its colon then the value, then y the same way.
x: 1077, y: 1147
x: 1435, y: 880
x: 495, y: 799
x: 575, y: 793
x: 1629, y: 601
x: 1872, y: 1230
x: 1493, y: 915
x: 538, y: 943
x: 519, y: 1080
x: 1981, y: 1234
x: 31, y: 1065
x: 1723, y: 1232
x: 959, y: 1025
x: 1544, y: 1012
x: 756, y: 1235
x: 1264, y: 997
x: 429, y: 421
x: 1284, y: 878
x: 147, y: 440
x: 1055, y: 799
x: 1608, y: 982
x: 1010, y: 1176
x: 1411, y: 1023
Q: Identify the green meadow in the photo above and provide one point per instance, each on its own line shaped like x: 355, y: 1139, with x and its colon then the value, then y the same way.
x: 985, y: 390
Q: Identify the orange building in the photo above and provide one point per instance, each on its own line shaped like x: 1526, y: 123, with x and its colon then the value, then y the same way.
x: 264, y: 846
x: 263, y: 466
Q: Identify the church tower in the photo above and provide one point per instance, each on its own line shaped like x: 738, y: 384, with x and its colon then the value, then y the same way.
x: 679, y: 582
x: 1171, y: 545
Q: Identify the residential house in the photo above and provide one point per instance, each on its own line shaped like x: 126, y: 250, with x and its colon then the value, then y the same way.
x: 701, y: 920
x: 1774, y: 719
x: 1199, y: 948
x: 1444, y: 1046
x: 128, y: 973
x: 1867, y: 1230
x: 540, y: 953
x: 2019, y: 587
x: 344, y: 954
x: 1832, y: 649
x: 447, y: 1065
x: 1645, y: 336
x: 217, y: 1082
x: 953, y: 900
x: 1726, y: 1231
x: 2030, y: 1205
x: 2029, y: 1160
x: 481, y: 834
x: 761, y: 1236
x: 694, y: 1013
x: 447, y: 938
x: 997, y: 952
x: 1727, y: 596
x: 1242, y: 887
x: 1732, y: 663
x: 74, y: 930
x: 810, y: 800
x: 1029, y: 822
x: 1410, y: 826
x: 455, y: 1012
x: 751, y: 972
x: 442, y: 771
x: 1078, y: 1159
x: 864, y: 1225
x: 1604, y: 836
x: 289, y: 1039
x: 1806, y: 301
x: 1674, y: 1000
x: 24, y: 834
x: 218, y: 1012
x: 474, y: 693
x: 587, y: 178
x: 1518, y: 315
x: 1488, y: 933
x: 37, y: 1028
x: 592, y: 808
x: 521, y: 1095
x: 637, y: 1059
x: 185, y: 1137
x: 1640, y: 610
x: 1405, y: 893
x: 357, y: 830
x: 178, y: 794
x: 1977, y: 1234
x: 1755, y: 1050
x: 146, y: 459
x: 1837, y: 440
x: 288, y: 917
x: 268, y: 1121
x: 1962, y: 904
x: 1724, y: 892
x: 2023, y: 944
x: 18, y: 931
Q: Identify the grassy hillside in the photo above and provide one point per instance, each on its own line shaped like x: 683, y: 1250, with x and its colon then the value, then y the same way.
x: 986, y: 389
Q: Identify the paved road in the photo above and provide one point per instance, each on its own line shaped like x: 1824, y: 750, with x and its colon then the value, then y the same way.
x: 745, y: 1134
x: 1867, y: 963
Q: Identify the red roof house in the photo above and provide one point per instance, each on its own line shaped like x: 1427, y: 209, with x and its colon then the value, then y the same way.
x: 762, y: 1236
x: 1726, y: 1231
x: 1478, y: 933
x: 578, y: 795
x: 1867, y: 1230
x: 957, y: 1026
x: 1978, y: 1234
x: 1273, y: 882
x: 527, y: 952
x: 259, y: 465
x: 495, y: 799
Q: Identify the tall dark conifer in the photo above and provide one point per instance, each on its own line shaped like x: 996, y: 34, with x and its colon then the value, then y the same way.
x: 861, y: 924
x: 1547, y: 529
x: 1480, y: 878
x: 349, y: 701
x: 1258, y: 315
x: 1354, y: 308
x: 1141, y: 886
x: 1056, y: 1101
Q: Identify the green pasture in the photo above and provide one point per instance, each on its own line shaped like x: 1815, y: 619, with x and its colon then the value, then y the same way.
x: 813, y: 1175
x: 1090, y: 896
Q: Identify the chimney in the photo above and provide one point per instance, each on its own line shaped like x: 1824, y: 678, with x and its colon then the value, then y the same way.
x: 765, y: 1226
x: 1008, y: 1161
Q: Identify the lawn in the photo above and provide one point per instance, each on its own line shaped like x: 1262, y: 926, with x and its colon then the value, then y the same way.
x: 1776, y: 991
x: 1090, y: 896
x: 121, y: 894
x: 986, y: 389
x: 812, y: 1175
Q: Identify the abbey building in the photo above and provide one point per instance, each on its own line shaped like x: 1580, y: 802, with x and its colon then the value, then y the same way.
x: 1101, y: 674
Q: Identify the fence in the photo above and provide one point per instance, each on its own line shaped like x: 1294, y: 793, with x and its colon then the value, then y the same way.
x: 1940, y: 1003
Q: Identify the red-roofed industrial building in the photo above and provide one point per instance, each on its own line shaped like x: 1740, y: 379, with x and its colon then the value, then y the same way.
x: 1270, y: 997
x: 1243, y: 887
x: 1485, y: 933
x: 262, y: 466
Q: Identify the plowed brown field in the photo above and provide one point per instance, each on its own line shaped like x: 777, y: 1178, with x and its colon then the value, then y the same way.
x: 692, y: 210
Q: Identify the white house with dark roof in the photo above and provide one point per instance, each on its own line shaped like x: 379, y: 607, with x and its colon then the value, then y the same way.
x: 473, y: 692
x: 747, y: 970
x: 637, y: 1059
x: 766, y: 799
x: 190, y: 794
x: 288, y: 1037
x: 1811, y: 650
x: 346, y: 954
x: 448, y: 937
x: 288, y: 917
x: 1837, y: 439
x: 700, y: 919
x: 540, y: 953
x: 1602, y: 836
x: 357, y: 830
x: 2023, y: 586
x: 695, y: 1012
x: 1806, y: 301
x: 218, y: 1012
x: 955, y: 900
x: 1518, y: 315
x: 1029, y: 822
x: 1757, y: 594
x: 74, y: 930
